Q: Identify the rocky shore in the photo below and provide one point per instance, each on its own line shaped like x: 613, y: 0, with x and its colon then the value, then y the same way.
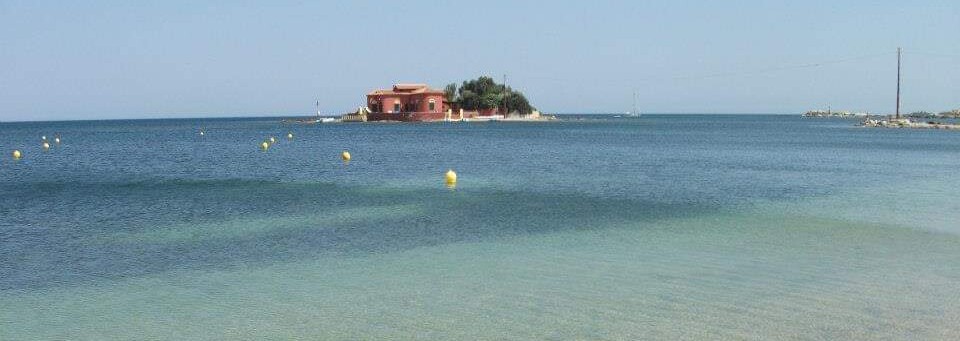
x: 834, y: 114
x: 907, y: 123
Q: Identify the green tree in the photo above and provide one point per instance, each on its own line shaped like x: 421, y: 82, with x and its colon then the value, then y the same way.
x: 469, y: 100
x: 450, y: 92
x: 485, y: 93
x: 490, y: 100
x: 516, y: 102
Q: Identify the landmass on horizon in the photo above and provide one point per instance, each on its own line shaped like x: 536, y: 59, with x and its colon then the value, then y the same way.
x: 477, y: 100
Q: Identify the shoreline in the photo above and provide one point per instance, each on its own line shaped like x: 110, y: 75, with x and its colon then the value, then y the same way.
x: 906, y: 123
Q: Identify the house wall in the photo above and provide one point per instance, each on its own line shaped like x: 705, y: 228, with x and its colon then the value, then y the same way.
x: 489, y: 112
x: 422, y: 102
x: 414, y: 103
x: 387, y: 101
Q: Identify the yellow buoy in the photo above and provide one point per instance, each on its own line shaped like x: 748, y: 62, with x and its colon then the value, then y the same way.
x: 46, y: 146
x: 345, y: 155
x: 451, y: 177
x: 289, y: 136
x: 264, y: 145
x: 17, y: 155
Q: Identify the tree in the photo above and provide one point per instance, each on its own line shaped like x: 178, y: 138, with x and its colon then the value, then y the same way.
x: 469, y: 100
x: 516, y: 102
x: 484, y: 93
x: 491, y: 100
x: 450, y: 92
x: 482, y: 85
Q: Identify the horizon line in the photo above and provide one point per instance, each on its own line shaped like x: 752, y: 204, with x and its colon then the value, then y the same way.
x: 310, y: 115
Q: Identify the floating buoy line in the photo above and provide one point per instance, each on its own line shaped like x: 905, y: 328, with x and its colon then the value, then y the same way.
x: 45, y: 145
x: 449, y: 178
x: 271, y: 140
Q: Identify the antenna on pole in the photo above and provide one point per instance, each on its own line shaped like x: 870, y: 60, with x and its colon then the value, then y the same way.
x: 899, y: 51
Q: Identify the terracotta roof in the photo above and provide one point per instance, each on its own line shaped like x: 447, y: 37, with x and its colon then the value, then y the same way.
x: 381, y: 92
x: 399, y: 87
x: 427, y: 91
x: 406, y: 89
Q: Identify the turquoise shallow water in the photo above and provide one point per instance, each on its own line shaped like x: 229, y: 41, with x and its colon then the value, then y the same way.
x: 668, y: 227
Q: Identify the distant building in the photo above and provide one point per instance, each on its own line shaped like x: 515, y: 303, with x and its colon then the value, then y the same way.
x: 407, y: 102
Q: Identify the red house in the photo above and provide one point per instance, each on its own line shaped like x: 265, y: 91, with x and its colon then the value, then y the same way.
x: 406, y: 102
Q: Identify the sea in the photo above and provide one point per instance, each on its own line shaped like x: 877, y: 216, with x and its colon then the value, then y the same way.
x: 590, y: 227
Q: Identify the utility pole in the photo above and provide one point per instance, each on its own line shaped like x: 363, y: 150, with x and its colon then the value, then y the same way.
x: 505, y: 109
x: 899, y: 50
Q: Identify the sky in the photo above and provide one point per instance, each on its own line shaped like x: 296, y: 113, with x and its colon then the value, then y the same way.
x: 73, y: 60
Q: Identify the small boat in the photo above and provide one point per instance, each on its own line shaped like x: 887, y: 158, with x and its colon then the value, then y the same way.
x: 321, y: 119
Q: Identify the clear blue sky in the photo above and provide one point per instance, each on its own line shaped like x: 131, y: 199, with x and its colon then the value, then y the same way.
x: 133, y: 59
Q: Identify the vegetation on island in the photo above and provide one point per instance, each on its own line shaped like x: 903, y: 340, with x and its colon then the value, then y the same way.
x: 926, y: 114
x: 484, y: 93
x: 916, y: 114
x: 955, y: 113
x: 922, y: 114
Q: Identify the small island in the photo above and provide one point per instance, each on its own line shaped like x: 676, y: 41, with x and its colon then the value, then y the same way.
x: 481, y: 99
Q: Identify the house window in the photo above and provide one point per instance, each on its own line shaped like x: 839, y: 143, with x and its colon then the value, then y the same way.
x: 433, y: 105
x: 396, y: 106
